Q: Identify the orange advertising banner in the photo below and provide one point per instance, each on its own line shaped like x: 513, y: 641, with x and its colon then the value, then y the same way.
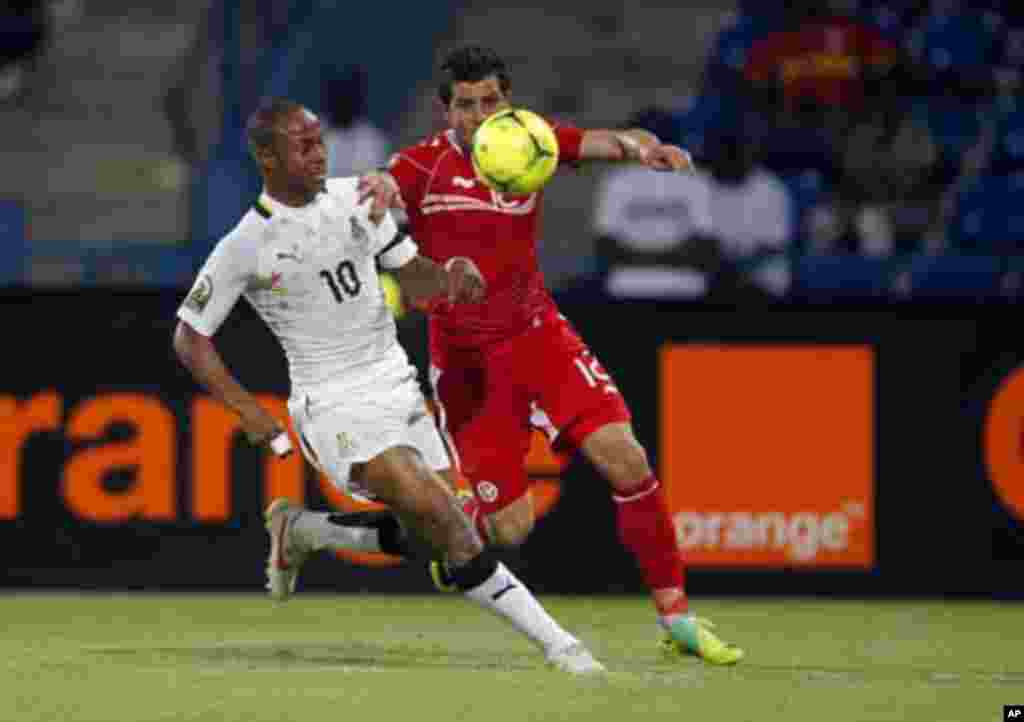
x: 768, y: 454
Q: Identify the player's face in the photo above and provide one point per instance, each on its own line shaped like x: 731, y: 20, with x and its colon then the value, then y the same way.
x: 472, y: 103
x: 302, y: 153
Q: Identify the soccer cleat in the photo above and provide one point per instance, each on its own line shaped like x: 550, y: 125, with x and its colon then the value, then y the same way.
x: 286, y: 554
x: 438, y: 571
x: 693, y: 636
x: 575, y: 659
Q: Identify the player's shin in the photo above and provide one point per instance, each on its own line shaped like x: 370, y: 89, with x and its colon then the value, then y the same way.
x: 490, y: 584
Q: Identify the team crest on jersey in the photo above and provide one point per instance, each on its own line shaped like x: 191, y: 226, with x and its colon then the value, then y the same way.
x: 488, y: 491
x: 345, y: 443
x: 201, y: 293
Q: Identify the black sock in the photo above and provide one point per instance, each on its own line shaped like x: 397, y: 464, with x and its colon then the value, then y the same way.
x: 474, y: 572
x: 390, y: 532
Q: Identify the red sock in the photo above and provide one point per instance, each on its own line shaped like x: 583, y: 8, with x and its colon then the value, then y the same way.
x: 646, y: 529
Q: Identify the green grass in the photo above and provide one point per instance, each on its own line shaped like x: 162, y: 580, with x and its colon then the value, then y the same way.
x: 372, y: 658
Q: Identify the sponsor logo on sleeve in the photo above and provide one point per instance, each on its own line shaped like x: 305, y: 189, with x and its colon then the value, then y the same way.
x: 201, y: 293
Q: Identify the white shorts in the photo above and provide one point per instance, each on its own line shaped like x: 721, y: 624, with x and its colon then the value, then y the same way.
x: 342, y: 429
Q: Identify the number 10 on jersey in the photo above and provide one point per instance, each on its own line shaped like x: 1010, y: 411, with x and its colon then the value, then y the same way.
x: 343, y: 281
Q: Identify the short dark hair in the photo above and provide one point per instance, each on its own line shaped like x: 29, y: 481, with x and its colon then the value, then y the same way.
x: 262, y: 124
x: 471, y: 64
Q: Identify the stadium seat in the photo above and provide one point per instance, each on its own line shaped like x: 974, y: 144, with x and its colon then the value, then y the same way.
x: 955, y: 40
x: 961, y: 277
x: 889, y: 17
x: 1012, y: 281
x: 12, y: 242
x: 1011, y: 48
x: 735, y: 39
x: 955, y: 126
x: 840, y: 277
x: 700, y: 113
x: 1008, y: 149
x: 805, y: 190
x: 990, y: 216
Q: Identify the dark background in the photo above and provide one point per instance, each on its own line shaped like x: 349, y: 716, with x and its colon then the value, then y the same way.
x: 940, y: 528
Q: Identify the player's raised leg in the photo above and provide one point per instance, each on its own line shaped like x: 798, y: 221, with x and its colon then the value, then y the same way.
x: 645, y: 528
x: 399, y: 478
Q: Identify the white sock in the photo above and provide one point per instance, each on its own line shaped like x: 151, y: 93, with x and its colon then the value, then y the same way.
x: 508, y: 597
x: 315, y: 531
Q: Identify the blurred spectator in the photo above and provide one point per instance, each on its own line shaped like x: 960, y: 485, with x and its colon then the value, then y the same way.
x: 653, y: 228
x: 815, y: 75
x: 720, y: 236
x: 354, y: 144
x: 24, y: 31
x: 750, y: 221
x: 890, y: 184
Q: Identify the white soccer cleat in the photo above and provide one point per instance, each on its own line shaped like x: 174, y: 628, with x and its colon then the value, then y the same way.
x: 286, y: 553
x: 575, y: 659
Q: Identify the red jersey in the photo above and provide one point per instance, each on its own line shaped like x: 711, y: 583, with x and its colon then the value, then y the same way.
x: 452, y: 213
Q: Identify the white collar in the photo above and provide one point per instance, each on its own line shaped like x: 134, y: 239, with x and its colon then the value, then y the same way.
x: 279, y: 209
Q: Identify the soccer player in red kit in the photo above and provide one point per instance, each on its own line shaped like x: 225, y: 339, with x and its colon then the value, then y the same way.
x: 513, y: 361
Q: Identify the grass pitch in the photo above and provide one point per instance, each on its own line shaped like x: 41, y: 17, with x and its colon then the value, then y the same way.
x: 102, y: 658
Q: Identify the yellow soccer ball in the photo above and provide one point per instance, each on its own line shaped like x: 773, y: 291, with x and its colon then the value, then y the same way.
x: 515, y: 152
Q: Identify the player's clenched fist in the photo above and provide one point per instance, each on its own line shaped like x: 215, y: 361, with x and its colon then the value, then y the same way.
x: 382, y: 189
x: 669, y: 158
x: 465, y: 282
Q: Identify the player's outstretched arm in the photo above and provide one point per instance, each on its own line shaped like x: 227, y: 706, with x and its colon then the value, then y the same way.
x: 458, y: 281
x: 634, y: 146
x: 382, y: 189
x: 199, y: 355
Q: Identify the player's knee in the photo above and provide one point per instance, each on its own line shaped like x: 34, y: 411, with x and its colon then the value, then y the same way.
x: 511, y: 530
x: 460, y: 540
x: 621, y: 459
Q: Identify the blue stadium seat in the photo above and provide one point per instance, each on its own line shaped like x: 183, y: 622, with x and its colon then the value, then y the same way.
x: 990, y: 216
x: 12, y: 242
x: 954, y: 125
x: 840, y: 277
x: 700, y: 114
x: 962, y: 277
x: 805, y: 191
x: 1012, y: 282
x: 1008, y: 148
x: 955, y: 41
x: 735, y: 39
x: 1011, y: 48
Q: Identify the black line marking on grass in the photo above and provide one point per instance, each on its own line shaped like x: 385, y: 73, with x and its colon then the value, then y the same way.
x: 342, y: 655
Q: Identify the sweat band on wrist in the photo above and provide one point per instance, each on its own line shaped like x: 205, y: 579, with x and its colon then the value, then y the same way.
x: 281, y: 444
x: 631, y: 145
x: 451, y: 261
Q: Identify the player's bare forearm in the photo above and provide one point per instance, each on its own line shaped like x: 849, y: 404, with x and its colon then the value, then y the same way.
x: 199, y: 355
x: 608, y: 145
x: 634, y: 145
x: 424, y: 280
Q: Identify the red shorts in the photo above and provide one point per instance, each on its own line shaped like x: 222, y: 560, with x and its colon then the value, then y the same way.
x: 489, y: 400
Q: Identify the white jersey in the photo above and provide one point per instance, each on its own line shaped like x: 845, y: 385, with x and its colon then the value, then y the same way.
x: 311, y: 274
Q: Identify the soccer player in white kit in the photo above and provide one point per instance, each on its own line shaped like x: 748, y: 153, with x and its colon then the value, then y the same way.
x: 305, y: 257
